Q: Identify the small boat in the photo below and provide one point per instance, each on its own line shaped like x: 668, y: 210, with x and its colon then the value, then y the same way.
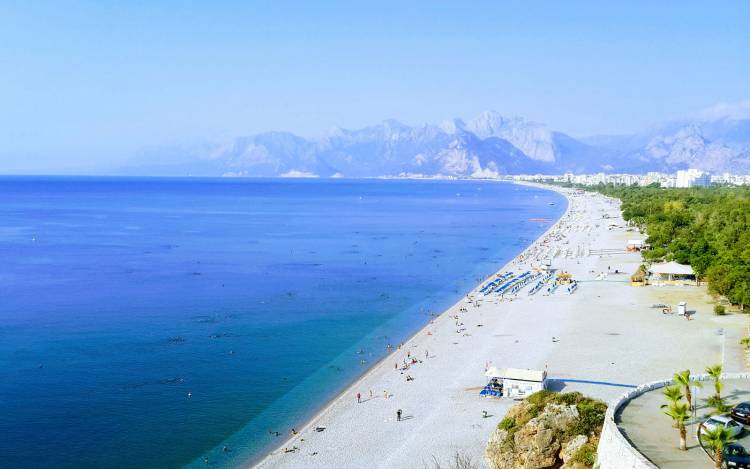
x: 550, y: 203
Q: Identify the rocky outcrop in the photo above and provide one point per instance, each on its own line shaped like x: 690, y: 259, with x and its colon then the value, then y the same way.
x: 547, y: 430
x: 570, y: 449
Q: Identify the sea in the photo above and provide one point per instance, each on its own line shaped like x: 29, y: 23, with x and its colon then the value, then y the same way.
x: 166, y: 322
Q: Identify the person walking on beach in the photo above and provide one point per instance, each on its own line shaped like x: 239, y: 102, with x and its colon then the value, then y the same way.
x: 359, y: 398
x: 398, y: 415
x: 426, y: 354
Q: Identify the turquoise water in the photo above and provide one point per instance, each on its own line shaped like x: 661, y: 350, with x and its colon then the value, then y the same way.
x: 152, y: 322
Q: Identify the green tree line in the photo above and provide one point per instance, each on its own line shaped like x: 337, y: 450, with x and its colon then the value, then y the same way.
x: 708, y: 228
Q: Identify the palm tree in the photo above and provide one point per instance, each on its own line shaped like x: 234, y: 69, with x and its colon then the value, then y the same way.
x: 715, y: 373
x: 717, y: 439
x: 673, y: 394
x: 682, y: 378
x: 680, y: 413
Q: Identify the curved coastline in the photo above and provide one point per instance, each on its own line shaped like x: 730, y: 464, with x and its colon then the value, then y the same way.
x: 265, y: 460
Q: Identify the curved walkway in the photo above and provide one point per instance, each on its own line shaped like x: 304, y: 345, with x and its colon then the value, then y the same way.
x: 637, y: 435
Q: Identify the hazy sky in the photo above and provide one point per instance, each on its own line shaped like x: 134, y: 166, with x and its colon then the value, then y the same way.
x: 88, y: 84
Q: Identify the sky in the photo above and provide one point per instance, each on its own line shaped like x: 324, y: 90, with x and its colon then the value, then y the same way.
x: 91, y: 84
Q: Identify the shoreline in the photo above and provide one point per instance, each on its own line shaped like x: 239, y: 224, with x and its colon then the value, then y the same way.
x: 596, y: 339
x: 308, y: 425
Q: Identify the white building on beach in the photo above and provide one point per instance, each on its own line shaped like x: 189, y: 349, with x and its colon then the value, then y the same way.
x: 522, y: 382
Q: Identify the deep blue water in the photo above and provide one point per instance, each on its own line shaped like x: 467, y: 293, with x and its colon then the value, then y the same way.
x: 150, y: 322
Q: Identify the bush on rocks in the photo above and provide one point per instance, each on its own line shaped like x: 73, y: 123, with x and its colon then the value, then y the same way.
x: 548, y: 430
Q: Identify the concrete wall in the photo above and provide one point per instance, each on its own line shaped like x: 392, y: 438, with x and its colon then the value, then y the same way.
x: 615, y: 451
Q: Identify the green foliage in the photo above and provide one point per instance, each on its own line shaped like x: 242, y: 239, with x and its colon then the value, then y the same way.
x: 720, y: 310
x: 715, y: 373
x: 682, y: 378
x: 673, y: 394
x: 679, y: 412
x: 717, y: 438
x: 586, y: 454
x: 591, y: 413
x: 708, y: 228
x: 591, y: 418
x: 717, y: 402
x: 507, y: 424
x: 745, y: 342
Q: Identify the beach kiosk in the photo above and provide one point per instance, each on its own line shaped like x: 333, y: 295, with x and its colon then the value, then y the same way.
x: 513, y: 382
x: 494, y: 387
x: 523, y: 382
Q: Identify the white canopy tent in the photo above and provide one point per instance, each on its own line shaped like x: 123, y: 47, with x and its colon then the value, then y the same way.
x: 671, y: 273
x: 673, y: 268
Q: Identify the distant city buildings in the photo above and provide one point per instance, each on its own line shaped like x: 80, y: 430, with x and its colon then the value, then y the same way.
x: 686, y: 178
x: 693, y: 178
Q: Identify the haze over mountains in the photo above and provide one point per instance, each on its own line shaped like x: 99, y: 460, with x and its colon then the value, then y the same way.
x: 486, y: 146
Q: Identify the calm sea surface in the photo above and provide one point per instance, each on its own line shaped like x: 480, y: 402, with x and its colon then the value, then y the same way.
x: 152, y: 322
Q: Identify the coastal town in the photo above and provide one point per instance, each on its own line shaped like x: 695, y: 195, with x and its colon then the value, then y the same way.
x: 681, y: 179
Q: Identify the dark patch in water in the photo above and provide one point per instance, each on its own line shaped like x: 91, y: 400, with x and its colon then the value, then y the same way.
x: 175, y: 380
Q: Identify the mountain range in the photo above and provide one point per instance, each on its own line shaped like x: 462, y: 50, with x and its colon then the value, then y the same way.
x: 486, y: 146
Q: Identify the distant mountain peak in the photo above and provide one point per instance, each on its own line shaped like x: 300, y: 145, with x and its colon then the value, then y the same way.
x: 535, y: 140
x: 738, y: 110
x: 486, y: 146
x: 452, y: 126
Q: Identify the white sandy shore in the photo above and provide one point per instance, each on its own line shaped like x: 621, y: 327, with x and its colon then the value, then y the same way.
x: 605, y: 332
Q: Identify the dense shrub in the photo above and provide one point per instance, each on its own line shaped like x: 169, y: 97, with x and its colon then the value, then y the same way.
x: 506, y: 453
x: 720, y: 310
x: 591, y: 417
x: 718, y: 404
x: 591, y: 413
x: 507, y: 424
x: 586, y: 454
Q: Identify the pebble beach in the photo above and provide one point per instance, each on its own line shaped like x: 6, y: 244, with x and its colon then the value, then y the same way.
x: 598, y: 340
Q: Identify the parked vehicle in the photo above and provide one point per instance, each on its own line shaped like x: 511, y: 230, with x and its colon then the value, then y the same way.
x: 722, y: 421
x: 741, y: 413
x: 736, y: 456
